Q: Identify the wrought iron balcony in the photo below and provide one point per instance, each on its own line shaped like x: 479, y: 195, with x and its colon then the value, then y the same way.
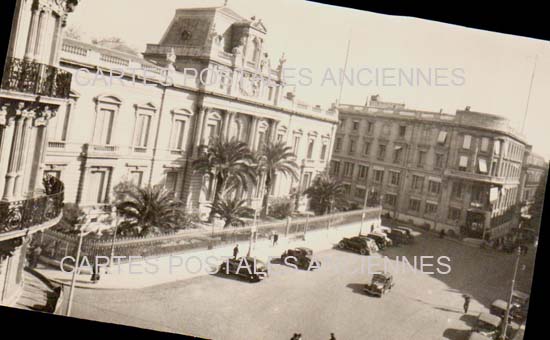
x: 28, y: 76
x: 33, y: 212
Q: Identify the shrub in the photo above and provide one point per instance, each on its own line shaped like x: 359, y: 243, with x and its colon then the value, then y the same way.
x: 71, y: 217
x: 281, y: 207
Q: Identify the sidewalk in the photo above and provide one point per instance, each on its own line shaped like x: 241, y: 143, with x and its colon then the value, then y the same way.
x: 142, y: 273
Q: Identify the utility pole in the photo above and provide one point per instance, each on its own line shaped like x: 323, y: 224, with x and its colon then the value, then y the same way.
x: 114, y: 217
x: 512, y: 286
x: 75, y: 271
x: 364, y: 208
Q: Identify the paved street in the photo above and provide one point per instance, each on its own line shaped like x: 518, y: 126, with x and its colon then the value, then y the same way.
x: 316, y: 303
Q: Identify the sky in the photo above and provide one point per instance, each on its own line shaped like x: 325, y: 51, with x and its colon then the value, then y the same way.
x: 490, y: 72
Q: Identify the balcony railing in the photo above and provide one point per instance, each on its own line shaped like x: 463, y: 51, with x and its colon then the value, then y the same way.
x: 24, y: 214
x: 28, y: 76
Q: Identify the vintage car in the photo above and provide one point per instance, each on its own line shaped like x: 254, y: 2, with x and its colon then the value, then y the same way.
x: 499, y: 307
x: 399, y: 236
x: 301, y: 257
x: 381, y: 283
x: 382, y: 230
x: 363, y: 245
x: 382, y: 240
x: 477, y: 336
x: 488, y: 325
x: 410, y: 232
x: 521, y: 300
x: 248, y: 268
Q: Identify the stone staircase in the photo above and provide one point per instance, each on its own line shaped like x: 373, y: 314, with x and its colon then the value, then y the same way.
x: 38, y: 293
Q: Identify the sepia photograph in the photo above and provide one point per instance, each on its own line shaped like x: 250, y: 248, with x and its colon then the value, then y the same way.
x: 265, y: 170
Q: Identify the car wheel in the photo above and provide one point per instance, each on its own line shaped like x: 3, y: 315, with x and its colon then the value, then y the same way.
x: 363, y: 252
x: 223, y: 269
x: 341, y: 245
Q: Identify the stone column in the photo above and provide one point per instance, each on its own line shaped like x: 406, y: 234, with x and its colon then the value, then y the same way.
x: 225, y: 124
x: 252, y: 132
x: 42, y: 25
x: 33, y: 31
x: 13, y: 161
x: 203, y: 112
x: 58, y: 36
x: 274, y: 128
x: 22, y: 157
x: 5, y: 149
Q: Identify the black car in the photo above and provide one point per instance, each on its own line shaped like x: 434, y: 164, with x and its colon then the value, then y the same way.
x: 382, y: 240
x: 363, y: 245
x: 249, y: 268
x: 380, y: 284
x: 301, y: 257
x: 399, y: 236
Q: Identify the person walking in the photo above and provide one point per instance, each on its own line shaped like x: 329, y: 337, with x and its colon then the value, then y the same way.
x: 35, y: 256
x: 466, y: 303
x: 95, y: 273
x: 235, y: 251
x: 332, y: 337
x: 275, y: 238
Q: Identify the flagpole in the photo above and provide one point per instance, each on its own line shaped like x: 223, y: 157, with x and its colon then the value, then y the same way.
x: 529, y: 94
x: 345, y: 69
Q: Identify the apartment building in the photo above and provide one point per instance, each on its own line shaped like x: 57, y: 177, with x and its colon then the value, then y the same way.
x: 33, y: 90
x: 145, y: 118
x: 460, y: 173
x: 534, y: 172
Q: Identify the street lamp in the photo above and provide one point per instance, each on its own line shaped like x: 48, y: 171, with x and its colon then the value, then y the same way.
x: 114, y: 223
x: 252, y: 231
x: 364, y: 208
x: 512, y: 286
x: 76, y: 267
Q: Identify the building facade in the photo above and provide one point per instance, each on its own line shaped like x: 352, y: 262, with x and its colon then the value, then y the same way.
x: 534, y: 172
x: 145, y: 118
x: 460, y: 173
x: 33, y: 91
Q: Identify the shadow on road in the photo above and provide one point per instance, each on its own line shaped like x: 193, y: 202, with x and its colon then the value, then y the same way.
x: 357, y: 288
x: 469, y: 320
x: 456, y: 334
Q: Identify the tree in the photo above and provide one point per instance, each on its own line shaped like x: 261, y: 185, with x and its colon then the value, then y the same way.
x: 229, y: 163
x: 275, y: 158
x: 72, y: 216
x: 230, y: 210
x: 150, y: 210
x: 326, y: 194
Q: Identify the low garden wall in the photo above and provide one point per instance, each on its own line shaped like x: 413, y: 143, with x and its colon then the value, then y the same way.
x: 56, y: 245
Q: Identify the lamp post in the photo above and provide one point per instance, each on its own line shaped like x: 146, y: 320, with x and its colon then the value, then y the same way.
x: 252, y: 231
x: 76, y: 267
x: 363, y: 213
x: 114, y: 223
x: 512, y: 286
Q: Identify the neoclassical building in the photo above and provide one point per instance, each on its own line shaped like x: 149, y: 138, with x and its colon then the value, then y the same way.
x: 34, y: 89
x: 458, y: 172
x: 145, y: 118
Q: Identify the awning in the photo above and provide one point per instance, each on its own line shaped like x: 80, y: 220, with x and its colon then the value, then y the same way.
x: 434, y: 179
x: 463, y: 163
x: 442, y: 137
x: 398, y: 147
x: 482, y: 165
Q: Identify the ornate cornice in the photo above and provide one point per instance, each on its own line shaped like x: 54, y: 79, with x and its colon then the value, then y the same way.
x: 11, y: 109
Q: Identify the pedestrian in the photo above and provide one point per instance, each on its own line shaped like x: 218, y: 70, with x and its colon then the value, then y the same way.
x: 35, y: 256
x: 95, y: 273
x: 466, y: 303
x: 235, y: 251
x: 332, y: 337
x: 275, y: 238
x: 442, y: 233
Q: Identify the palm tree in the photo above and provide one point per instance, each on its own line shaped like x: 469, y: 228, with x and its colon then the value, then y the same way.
x: 325, y: 194
x: 229, y: 162
x: 149, y: 210
x: 275, y: 158
x: 230, y: 209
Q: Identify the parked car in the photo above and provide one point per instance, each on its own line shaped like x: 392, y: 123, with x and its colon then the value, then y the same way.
x: 248, y: 268
x: 399, y: 236
x: 382, y: 229
x: 410, y: 232
x: 477, y: 336
x: 499, y: 307
x: 363, y: 245
x: 487, y: 325
x: 301, y: 257
x: 521, y: 300
x: 382, y: 240
x: 381, y: 283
